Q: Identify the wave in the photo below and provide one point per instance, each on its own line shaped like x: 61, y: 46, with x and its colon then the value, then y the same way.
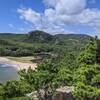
x: 2, y: 65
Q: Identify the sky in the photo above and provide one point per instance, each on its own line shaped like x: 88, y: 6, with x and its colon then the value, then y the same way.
x: 52, y: 16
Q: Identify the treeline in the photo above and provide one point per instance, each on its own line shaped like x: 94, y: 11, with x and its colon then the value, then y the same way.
x: 13, y: 48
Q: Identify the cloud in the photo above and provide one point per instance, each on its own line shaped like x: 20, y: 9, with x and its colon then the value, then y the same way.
x: 50, y: 3
x: 60, y: 13
x: 73, y: 12
x: 92, y: 1
x: 29, y: 15
x: 11, y: 25
x: 66, y: 6
x: 91, y: 18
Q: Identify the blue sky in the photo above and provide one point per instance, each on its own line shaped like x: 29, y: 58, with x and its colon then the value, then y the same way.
x: 53, y: 16
x: 9, y: 18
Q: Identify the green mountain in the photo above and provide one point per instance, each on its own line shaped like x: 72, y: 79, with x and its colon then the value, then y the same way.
x: 71, y: 39
x: 39, y: 37
x: 43, y: 37
x: 39, y: 41
x: 12, y: 36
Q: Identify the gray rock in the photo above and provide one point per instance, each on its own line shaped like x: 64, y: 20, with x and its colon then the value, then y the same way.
x: 64, y: 93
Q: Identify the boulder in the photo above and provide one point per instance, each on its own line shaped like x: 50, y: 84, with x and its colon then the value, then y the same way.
x: 64, y: 93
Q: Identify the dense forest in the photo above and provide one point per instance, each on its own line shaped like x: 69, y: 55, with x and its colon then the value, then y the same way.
x: 75, y: 62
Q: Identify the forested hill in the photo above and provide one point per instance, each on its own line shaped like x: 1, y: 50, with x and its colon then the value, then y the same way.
x: 12, y: 36
x: 43, y: 37
x: 36, y: 42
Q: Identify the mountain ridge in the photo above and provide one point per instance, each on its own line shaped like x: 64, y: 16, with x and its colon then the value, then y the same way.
x: 38, y: 36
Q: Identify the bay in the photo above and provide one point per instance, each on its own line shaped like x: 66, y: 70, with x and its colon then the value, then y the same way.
x: 8, y: 72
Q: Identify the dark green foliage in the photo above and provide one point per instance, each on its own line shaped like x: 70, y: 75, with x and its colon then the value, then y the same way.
x: 98, y: 52
x: 15, y: 51
x: 86, y: 92
x: 14, y: 89
x: 89, y: 55
x: 13, y: 37
x: 2, y: 91
x: 88, y: 74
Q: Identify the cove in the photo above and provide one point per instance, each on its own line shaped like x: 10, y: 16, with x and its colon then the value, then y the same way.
x: 8, y: 72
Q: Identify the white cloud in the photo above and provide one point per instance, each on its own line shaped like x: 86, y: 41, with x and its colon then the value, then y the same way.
x: 50, y: 13
x: 90, y: 17
x: 60, y: 13
x: 29, y: 15
x: 67, y: 6
x: 70, y: 15
x: 50, y: 3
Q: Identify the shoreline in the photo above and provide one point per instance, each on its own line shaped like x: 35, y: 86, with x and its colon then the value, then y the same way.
x: 18, y: 65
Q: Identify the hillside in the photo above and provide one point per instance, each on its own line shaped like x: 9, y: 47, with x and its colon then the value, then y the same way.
x: 39, y: 37
x: 71, y: 39
x: 43, y: 37
x: 12, y: 36
x: 38, y: 41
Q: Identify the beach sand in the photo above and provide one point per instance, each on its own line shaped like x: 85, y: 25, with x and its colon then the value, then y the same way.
x: 18, y: 65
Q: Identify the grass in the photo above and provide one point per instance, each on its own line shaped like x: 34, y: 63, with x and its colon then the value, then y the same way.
x: 28, y: 59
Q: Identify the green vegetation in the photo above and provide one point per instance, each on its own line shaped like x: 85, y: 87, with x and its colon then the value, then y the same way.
x: 35, y: 42
x: 68, y: 68
x: 87, y: 76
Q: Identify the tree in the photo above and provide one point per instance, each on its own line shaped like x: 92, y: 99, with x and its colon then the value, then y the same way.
x: 87, y: 76
x: 89, y: 55
x: 16, y: 88
x: 86, y: 92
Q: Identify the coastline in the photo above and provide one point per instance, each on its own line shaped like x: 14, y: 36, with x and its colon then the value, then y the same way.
x: 18, y: 65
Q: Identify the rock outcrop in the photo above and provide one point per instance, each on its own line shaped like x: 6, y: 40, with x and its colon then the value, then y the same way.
x: 64, y: 93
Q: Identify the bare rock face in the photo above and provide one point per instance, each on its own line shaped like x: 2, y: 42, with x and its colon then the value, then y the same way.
x: 64, y: 93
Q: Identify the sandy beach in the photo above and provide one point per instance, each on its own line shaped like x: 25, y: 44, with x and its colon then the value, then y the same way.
x: 18, y: 65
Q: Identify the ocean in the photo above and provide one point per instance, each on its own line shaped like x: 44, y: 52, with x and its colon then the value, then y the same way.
x: 8, y: 72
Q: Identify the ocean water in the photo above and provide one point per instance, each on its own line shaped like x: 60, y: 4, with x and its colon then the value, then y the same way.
x: 8, y: 72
